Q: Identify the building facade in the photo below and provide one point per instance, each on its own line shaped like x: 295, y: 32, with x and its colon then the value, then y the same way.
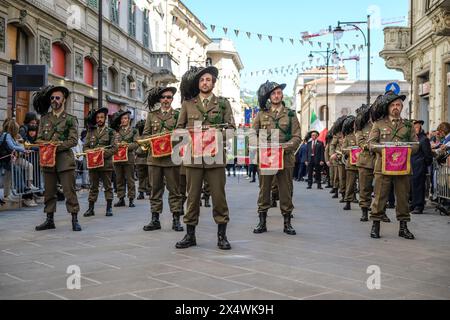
x: 344, y: 97
x: 422, y: 52
x: 145, y: 43
x: 222, y: 54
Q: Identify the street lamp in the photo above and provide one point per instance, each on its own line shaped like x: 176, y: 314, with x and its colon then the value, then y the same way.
x: 329, y: 54
x: 339, y: 32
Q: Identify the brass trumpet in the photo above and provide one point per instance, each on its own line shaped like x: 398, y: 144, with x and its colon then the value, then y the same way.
x: 39, y: 143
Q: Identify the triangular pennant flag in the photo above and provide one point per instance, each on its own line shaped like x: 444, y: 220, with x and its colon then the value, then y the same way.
x: 249, y: 35
x: 311, y: 43
x: 270, y: 38
x: 225, y: 30
x: 292, y: 41
x: 302, y: 42
x: 329, y: 45
x: 282, y: 39
x: 213, y: 27
x: 259, y: 36
x: 354, y: 47
x: 320, y: 44
x: 346, y: 45
x: 236, y: 32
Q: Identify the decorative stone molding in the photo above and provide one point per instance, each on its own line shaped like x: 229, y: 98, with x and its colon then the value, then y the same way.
x: 44, y: 51
x: 441, y: 22
x: 400, y: 64
x: 79, y: 65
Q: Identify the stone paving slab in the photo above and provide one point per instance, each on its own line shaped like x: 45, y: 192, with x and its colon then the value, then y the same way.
x: 328, y: 259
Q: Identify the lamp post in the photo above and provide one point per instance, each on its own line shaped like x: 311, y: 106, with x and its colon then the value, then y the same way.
x: 328, y: 53
x: 338, y: 33
x: 100, y: 55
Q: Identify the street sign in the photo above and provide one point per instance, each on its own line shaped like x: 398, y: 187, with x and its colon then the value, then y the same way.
x: 393, y: 86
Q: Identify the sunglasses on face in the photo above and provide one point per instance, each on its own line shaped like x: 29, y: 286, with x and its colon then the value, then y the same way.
x: 167, y: 97
x: 57, y: 98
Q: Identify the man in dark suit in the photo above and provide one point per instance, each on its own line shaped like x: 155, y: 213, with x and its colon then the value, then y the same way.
x: 420, y: 163
x: 315, y: 159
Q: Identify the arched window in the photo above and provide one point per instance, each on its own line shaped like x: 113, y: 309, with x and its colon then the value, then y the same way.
x: 88, y: 71
x: 58, y: 60
x: 323, y: 113
x: 113, y: 84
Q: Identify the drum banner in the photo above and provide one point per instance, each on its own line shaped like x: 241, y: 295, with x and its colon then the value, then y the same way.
x: 95, y: 158
x: 396, y: 161
x: 47, y: 155
x: 354, y: 156
x: 204, y: 143
x: 271, y: 158
x: 122, y: 154
x: 161, y: 146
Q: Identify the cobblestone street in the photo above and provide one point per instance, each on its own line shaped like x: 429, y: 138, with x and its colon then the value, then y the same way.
x: 328, y: 259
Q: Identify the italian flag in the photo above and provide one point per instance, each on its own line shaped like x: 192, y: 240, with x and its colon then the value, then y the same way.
x: 317, y: 125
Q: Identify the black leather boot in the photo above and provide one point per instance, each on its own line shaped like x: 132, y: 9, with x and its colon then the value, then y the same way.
x: 375, y: 232
x: 176, y: 225
x: 120, y: 203
x: 109, y: 212
x: 348, y: 206
x: 404, y: 232
x: 261, y: 228
x: 75, y: 225
x: 188, y: 240
x: 274, y: 203
x: 48, y: 224
x: 336, y: 194
x: 222, y: 241
x: 365, y: 215
x: 342, y: 199
x: 355, y: 200
x: 141, y: 196
x: 154, y: 224
x: 385, y: 218
x: 287, y: 225
x: 207, y: 204
x: 201, y: 203
x: 333, y: 190
x: 131, y: 205
x: 90, y: 211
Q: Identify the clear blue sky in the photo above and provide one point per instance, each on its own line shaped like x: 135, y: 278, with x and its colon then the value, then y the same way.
x: 288, y: 19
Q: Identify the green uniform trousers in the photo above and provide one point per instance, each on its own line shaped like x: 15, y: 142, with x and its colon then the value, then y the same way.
x: 125, y: 177
x: 342, y: 175
x: 284, y: 179
x: 351, y: 176
x: 106, y: 177
x: 162, y: 177
x: 143, y: 178
x: 336, y: 177
x: 365, y: 187
x: 216, y: 179
x: 401, y: 190
x: 67, y: 180
x: 331, y: 170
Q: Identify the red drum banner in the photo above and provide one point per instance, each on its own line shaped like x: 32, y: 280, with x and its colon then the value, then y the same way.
x: 122, y: 154
x: 161, y: 146
x: 396, y: 161
x: 354, y: 155
x: 271, y: 158
x: 95, y: 158
x: 47, y: 155
x: 204, y: 143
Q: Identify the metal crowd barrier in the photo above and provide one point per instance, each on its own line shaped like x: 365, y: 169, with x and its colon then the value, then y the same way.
x: 442, y: 187
x: 26, y: 173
